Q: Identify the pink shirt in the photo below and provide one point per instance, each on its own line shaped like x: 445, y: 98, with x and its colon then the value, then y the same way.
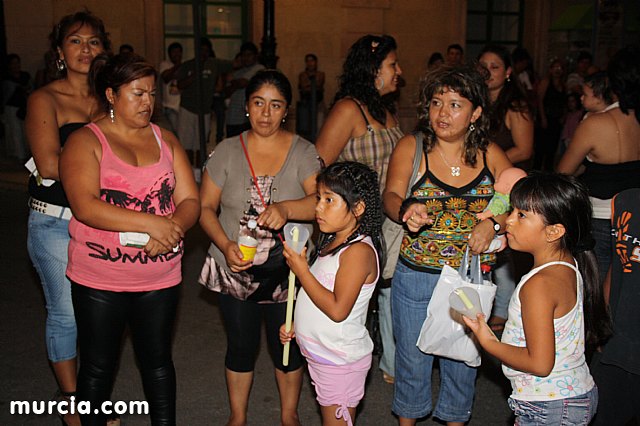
x: 96, y: 257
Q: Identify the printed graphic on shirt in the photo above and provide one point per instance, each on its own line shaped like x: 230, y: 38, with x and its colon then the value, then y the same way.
x: 157, y: 200
x: 159, y: 197
x: 626, y: 241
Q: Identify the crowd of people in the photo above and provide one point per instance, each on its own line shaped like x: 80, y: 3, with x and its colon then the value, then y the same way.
x: 114, y: 194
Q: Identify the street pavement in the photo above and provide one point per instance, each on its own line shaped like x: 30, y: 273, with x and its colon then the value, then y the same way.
x: 199, y: 347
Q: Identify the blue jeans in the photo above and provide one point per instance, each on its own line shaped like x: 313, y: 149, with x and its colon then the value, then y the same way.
x: 387, y: 360
x: 575, y: 411
x: 410, y: 295
x: 504, y: 278
x: 48, y: 242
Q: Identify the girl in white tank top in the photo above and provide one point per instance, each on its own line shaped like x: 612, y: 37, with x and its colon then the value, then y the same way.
x: 331, y: 308
x: 557, y: 308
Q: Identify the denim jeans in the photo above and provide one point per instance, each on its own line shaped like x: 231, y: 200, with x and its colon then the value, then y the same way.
x: 410, y: 295
x: 47, y: 243
x: 504, y: 278
x: 576, y: 411
x: 601, y: 230
x: 387, y: 360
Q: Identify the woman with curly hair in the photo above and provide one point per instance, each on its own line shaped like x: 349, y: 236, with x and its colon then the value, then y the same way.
x: 457, y: 173
x: 362, y: 126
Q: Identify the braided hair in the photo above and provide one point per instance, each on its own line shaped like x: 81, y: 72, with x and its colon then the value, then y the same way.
x: 354, y: 182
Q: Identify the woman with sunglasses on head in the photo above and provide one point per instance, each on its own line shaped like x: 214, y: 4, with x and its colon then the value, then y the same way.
x: 362, y: 126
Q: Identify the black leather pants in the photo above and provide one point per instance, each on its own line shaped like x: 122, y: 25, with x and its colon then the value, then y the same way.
x: 101, y: 317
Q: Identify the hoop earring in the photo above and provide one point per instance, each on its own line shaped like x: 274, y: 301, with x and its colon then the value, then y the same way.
x: 112, y: 114
x: 381, y: 85
x: 60, y: 65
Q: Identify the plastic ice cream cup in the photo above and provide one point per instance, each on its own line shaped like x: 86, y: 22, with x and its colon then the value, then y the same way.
x: 248, y: 247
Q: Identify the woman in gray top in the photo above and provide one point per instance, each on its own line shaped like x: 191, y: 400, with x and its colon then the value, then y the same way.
x: 266, y: 174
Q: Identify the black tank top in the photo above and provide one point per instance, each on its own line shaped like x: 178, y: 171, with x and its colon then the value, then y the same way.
x: 606, y: 180
x: 54, y: 194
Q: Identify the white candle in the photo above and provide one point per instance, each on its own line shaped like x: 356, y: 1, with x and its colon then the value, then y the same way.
x: 290, y: 295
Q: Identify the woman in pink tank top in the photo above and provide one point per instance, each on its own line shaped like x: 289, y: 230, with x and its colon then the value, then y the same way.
x: 133, y: 196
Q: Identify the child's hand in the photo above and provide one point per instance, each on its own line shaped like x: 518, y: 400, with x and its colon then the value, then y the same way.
x: 297, y: 262
x: 285, y: 337
x: 480, y: 328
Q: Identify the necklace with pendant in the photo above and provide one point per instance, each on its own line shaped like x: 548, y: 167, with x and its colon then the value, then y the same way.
x: 455, y: 170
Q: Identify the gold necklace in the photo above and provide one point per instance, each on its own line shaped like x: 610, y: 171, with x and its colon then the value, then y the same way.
x: 455, y: 170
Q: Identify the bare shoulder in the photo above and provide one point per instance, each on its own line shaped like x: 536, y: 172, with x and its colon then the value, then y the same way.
x: 82, y: 136
x: 518, y: 111
x: 594, y: 121
x: 359, y: 253
x: 408, y: 141
x: 168, y: 136
x: 549, y: 282
x: 538, y: 287
x: 595, y: 127
x: 495, y: 153
x: 346, y: 106
x: 43, y: 97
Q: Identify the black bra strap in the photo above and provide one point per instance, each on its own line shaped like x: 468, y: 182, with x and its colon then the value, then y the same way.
x: 369, y: 127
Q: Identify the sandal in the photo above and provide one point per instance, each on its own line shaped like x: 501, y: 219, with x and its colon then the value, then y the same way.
x: 66, y: 396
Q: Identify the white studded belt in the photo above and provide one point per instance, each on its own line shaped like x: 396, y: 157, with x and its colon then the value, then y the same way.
x: 50, y: 209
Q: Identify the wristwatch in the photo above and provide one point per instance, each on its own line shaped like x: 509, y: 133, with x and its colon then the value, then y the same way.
x: 496, y: 225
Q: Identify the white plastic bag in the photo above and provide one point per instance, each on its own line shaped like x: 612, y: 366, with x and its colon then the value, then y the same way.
x: 443, y: 333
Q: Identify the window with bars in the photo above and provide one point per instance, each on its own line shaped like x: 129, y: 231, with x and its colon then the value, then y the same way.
x: 223, y: 22
x: 493, y: 21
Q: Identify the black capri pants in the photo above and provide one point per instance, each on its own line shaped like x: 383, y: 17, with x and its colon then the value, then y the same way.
x: 101, y: 317
x: 242, y: 322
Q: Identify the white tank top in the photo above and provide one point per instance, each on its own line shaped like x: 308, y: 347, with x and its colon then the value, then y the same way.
x: 570, y: 375
x: 324, y: 340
